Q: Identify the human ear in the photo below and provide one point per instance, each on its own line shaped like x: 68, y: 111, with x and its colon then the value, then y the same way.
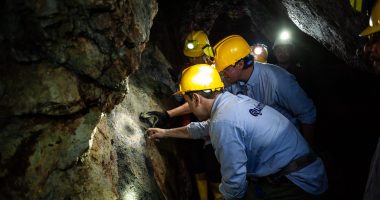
x: 197, y: 99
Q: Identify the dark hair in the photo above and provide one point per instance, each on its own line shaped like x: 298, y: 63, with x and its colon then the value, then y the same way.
x: 248, y: 61
x: 208, y: 94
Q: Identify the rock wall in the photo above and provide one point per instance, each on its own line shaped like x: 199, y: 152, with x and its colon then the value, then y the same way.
x: 147, y: 169
x: 64, y: 66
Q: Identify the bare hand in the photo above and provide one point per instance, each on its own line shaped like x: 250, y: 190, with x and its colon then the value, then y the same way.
x: 155, y: 133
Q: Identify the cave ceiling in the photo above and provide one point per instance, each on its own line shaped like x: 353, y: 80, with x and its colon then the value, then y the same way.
x: 320, y: 28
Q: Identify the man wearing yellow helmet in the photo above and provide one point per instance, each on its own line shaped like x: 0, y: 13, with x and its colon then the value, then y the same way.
x: 252, y: 141
x: 264, y: 82
x: 372, y: 48
x: 284, y: 50
x: 203, y: 163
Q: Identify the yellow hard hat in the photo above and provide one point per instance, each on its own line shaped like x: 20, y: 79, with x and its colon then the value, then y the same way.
x: 197, y: 44
x: 200, y: 77
x: 260, y: 52
x: 374, y: 21
x: 230, y: 50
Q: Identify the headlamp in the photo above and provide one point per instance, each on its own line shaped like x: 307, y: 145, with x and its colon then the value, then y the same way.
x: 284, y: 35
x: 258, y: 50
x: 191, y: 44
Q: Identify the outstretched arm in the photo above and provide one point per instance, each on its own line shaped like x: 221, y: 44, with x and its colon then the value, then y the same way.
x: 179, y: 111
x: 180, y: 132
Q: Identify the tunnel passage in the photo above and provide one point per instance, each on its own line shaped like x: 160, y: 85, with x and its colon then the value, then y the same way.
x: 76, y: 74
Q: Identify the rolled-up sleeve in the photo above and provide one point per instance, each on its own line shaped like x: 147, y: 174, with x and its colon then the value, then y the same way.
x: 198, y: 130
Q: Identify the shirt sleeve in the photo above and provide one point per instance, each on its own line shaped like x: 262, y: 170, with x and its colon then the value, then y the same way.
x: 292, y: 97
x: 198, y: 130
x: 230, y: 151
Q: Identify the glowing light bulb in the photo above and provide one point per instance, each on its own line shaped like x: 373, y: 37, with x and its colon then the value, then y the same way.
x: 190, y: 46
x: 258, y: 50
x: 284, y: 35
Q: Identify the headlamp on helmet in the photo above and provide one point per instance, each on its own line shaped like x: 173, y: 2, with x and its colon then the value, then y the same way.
x: 260, y: 52
x: 191, y: 44
x: 284, y: 38
x: 285, y: 35
x: 197, y: 44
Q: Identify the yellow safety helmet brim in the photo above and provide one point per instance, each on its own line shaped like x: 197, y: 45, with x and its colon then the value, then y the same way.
x: 208, y: 51
x: 374, y: 21
x: 370, y: 30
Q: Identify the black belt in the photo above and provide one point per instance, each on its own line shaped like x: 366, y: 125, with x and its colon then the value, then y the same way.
x: 293, y: 166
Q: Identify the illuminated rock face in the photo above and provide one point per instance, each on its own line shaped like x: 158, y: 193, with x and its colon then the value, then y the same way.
x: 74, y: 76
x: 64, y: 66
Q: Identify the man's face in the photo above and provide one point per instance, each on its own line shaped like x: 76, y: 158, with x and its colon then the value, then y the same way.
x: 283, y: 53
x: 230, y: 74
x: 372, y: 48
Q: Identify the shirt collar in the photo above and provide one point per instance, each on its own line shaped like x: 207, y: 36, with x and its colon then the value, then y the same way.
x: 252, y: 79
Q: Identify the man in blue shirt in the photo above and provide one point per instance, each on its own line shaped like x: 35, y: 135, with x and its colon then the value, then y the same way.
x: 266, y: 83
x: 252, y: 141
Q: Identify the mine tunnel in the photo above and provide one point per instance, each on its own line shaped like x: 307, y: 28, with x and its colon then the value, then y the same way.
x: 75, y: 76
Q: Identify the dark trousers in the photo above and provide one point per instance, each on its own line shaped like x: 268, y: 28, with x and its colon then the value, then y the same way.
x: 284, y: 190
